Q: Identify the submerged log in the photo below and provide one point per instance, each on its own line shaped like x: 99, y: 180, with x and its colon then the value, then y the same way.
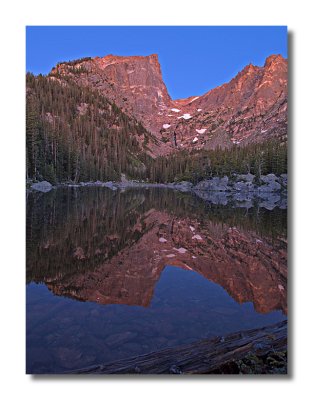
x: 256, y: 351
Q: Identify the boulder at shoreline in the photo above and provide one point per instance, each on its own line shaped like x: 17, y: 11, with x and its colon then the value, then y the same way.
x: 43, y: 186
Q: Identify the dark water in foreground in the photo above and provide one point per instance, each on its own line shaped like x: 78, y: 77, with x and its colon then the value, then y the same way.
x: 116, y: 274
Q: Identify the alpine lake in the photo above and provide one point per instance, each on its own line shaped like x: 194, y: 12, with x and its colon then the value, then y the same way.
x: 112, y: 274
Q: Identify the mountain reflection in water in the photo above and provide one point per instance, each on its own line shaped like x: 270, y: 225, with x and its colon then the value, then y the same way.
x: 109, y: 249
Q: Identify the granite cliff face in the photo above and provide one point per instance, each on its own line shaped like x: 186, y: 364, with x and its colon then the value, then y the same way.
x: 252, y: 107
x: 133, y: 83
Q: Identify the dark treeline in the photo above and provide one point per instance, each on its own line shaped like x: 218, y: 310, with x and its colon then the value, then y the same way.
x: 258, y: 159
x: 75, y: 134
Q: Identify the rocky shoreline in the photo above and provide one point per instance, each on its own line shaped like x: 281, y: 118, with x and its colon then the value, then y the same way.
x: 243, y: 190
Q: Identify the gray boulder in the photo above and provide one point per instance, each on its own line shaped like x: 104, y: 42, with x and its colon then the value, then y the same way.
x: 43, y: 186
x: 183, y: 186
x: 269, y: 178
x: 98, y: 183
x: 245, y: 177
x: 110, y: 185
x: 214, y: 184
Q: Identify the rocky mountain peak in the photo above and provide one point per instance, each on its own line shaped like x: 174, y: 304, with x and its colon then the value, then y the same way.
x: 249, y: 69
x: 252, y: 107
x: 274, y: 59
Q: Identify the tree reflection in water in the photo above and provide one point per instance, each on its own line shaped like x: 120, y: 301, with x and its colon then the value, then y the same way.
x: 110, y: 248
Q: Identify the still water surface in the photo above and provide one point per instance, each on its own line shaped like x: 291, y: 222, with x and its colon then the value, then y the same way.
x: 114, y: 274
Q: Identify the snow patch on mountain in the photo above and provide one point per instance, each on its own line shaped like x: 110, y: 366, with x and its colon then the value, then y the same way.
x: 197, y: 237
x: 194, y: 99
x: 181, y: 250
x: 185, y: 116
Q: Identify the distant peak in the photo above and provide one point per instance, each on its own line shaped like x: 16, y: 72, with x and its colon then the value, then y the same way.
x: 250, y: 67
x: 274, y: 58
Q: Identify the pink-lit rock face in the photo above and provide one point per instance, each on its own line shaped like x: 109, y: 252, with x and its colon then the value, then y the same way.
x: 134, y: 83
x: 251, y: 107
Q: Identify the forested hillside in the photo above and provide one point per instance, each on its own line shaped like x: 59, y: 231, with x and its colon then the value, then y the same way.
x: 75, y: 134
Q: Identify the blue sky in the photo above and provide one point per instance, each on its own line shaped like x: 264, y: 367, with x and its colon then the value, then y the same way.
x: 193, y: 59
